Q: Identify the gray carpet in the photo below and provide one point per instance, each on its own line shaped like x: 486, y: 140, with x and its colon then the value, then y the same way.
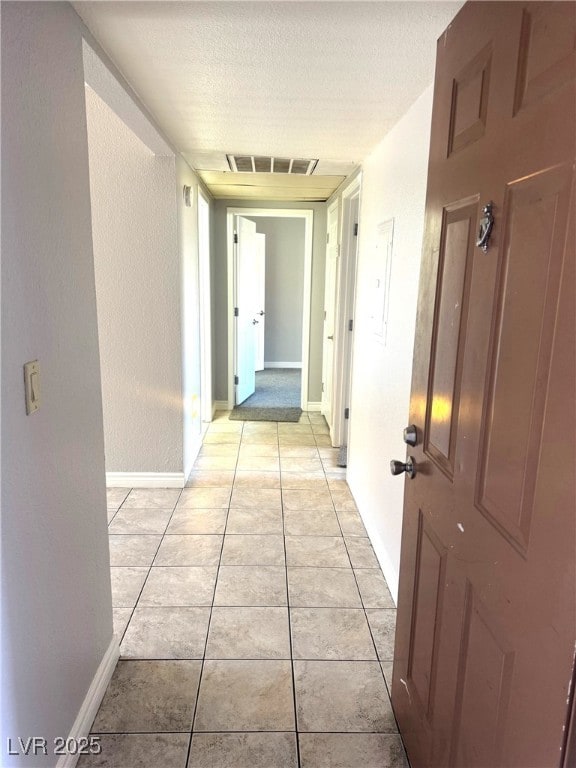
x: 277, y: 397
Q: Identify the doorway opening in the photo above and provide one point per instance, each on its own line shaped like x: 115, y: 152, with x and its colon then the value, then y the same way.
x: 339, y: 306
x: 346, y: 305
x: 269, y: 261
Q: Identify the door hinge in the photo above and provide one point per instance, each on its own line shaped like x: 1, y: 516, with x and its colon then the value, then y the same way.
x: 356, y: 229
x: 350, y: 325
x: 327, y: 237
x: 322, y: 386
x: 236, y: 313
x: 235, y: 237
x: 236, y: 380
x: 346, y: 413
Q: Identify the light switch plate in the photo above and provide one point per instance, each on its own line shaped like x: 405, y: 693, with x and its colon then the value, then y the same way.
x: 32, y: 386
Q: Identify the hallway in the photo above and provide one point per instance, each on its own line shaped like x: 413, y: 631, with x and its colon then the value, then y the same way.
x: 251, y: 605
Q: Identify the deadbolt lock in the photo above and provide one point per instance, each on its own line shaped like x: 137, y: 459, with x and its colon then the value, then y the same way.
x: 411, y: 435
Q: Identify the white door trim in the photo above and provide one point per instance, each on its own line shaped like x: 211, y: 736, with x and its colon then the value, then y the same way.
x: 328, y: 381
x: 295, y: 213
x: 206, y: 396
x: 345, y: 303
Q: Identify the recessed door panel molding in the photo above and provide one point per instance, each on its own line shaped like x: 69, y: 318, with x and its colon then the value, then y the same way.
x: 469, y: 107
x: 534, y: 223
x: 427, y: 613
x: 449, y: 335
x: 548, y: 52
x: 484, y: 680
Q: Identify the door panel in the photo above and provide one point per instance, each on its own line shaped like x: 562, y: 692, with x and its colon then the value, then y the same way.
x: 449, y: 335
x: 547, y: 55
x: 426, y: 620
x: 470, y: 101
x: 246, y: 304
x: 487, y: 601
x: 483, y: 687
x: 534, y: 223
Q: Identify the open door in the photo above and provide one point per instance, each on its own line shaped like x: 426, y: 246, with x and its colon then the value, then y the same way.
x: 487, y: 603
x: 260, y: 288
x: 332, y: 253
x: 245, y: 309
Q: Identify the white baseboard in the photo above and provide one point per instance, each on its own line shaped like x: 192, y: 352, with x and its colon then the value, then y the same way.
x: 282, y: 365
x: 92, y: 701
x: 314, y: 407
x: 145, y: 479
x: 220, y: 405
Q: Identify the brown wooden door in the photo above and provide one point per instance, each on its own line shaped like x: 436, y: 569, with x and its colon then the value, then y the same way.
x: 487, y: 602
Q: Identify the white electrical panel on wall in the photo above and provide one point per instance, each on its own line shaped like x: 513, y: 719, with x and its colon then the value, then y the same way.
x: 381, y: 295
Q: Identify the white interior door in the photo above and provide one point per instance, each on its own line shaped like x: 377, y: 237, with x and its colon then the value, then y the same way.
x: 332, y: 253
x: 260, y: 287
x: 246, y: 296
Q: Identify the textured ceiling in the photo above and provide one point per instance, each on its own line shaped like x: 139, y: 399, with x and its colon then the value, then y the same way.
x: 292, y: 79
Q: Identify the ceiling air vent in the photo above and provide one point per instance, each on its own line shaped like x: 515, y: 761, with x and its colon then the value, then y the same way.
x: 244, y: 164
x: 258, y: 164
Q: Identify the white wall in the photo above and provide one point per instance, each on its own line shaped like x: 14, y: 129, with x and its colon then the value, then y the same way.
x: 393, y: 186
x: 284, y: 287
x: 220, y: 295
x: 56, y: 602
x: 137, y: 265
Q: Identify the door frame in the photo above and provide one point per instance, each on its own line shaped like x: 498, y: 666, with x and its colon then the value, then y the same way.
x: 334, y: 207
x: 206, y: 394
x: 294, y: 213
x: 345, y: 309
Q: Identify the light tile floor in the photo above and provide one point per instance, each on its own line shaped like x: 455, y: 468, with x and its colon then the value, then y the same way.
x: 257, y: 628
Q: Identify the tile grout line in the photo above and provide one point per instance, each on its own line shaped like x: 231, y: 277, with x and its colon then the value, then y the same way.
x: 119, y: 507
x: 297, y: 735
x: 211, y: 609
x: 378, y: 660
x: 148, y: 572
x: 288, y: 604
x: 153, y: 733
